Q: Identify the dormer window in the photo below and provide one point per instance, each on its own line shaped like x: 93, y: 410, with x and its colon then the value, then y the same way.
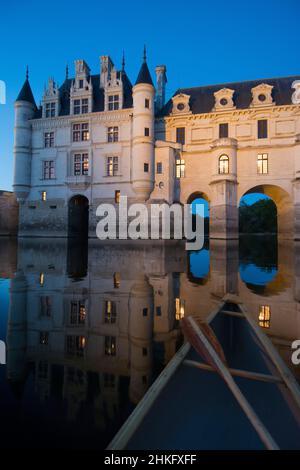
x: 50, y: 109
x: 224, y: 99
x: 113, y: 102
x: 262, y: 95
x: 80, y: 83
x: 81, y: 106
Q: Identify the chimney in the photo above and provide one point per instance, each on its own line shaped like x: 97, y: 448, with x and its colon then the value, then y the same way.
x: 161, y: 80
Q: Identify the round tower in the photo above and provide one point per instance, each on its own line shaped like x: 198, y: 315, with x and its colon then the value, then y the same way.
x: 143, y: 94
x: 25, y: 109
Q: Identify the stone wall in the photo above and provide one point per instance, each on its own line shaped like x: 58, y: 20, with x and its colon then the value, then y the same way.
x: 9, y: 213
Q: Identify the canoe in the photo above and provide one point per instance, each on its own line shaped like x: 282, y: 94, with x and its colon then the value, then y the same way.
x: 226, y: 388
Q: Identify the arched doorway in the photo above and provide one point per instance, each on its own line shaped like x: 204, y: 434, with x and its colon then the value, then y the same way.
x: 78, y: 217
x: 195, y: 198
x: 273, y: 205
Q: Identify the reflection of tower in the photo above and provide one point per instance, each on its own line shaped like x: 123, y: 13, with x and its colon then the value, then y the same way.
x: 224, y: 261
x: 140, y: 336
x: 16, y: 332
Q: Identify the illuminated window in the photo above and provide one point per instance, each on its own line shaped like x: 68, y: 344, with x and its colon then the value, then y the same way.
x: 262, y: 163
x: 77, y: 312
x: 49, y: 139
x: 81, y: 164
x: 46, y: 305
x: 110, y: 312
x: 117, y: 280
x: 80, y: 132
x: 262, y: 129
x: 223, y: 130
x: 223, y: 164
x: 75, y: 345
x: 113, y: 134
x: 264, y: 316
x: 110, y: 345
x: 112, y: 166
x: 44, y: 196
x: 117, y: 197
x: 50, y: 109
x: 113, y: 102
x: 48, y: 170
x: 41, y: 279
x: 180, y: 168
x: 180, y: 135
x: 179, y: 308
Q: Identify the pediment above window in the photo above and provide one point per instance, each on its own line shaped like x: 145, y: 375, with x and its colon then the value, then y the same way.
x: 181, y: 104
x: 296, y: 94
x: 262, y: 95
x: 224, y: 99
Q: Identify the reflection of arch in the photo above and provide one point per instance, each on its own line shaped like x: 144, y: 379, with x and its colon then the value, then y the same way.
x: 200, y: 272
x: 223, y: 166
x: 284, y: 205
x: 78, y: 217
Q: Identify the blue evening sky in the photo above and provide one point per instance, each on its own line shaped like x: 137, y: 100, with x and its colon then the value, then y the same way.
x: 201, y: 42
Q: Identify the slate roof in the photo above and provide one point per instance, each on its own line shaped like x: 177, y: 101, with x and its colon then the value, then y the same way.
x: 26, y: 93
x: 144, y: 75
x: 202, y: 98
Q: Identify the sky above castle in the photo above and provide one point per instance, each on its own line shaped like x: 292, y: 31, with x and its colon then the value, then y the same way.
x: 200, y: 42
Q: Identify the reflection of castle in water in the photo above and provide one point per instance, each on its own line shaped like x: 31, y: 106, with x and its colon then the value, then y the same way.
x: 96, y: 330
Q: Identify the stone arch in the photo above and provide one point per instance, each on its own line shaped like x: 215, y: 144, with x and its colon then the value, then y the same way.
x: 284, y: 205
x: 78, y: 217
x: 201, y: 195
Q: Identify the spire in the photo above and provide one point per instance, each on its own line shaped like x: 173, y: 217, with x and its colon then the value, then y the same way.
x: 144, y: 75
x: 67, y: 72
x: 26, y: 92
x: 123, y: 62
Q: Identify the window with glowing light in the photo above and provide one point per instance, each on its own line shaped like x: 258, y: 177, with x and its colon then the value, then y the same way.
x: 75, y: 345
x: 110, y: 345
x: 179, y: 308
x: 77, y: 312
x: 262, y: 163
x: 264, y: 316
x: 110, y: 312
x: 223, y: 164
x: 180, y: 168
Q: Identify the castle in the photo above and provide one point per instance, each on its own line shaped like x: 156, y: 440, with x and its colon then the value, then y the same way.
x: 97, y: 137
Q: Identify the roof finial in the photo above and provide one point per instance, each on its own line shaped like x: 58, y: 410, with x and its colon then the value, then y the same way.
x: 145, y: 54
x: 123, y: 61
x: 67, y: 72
x: 27, y: 72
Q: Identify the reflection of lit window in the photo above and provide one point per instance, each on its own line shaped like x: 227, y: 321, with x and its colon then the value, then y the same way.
x: 264, y: 317
x: 180, y: 168
x: 77, y: 312
x: 75, y: 345
x: 110, y: 312
x: 44, y: 337
x: 110, y: 345
x: 46, y: 306
x: 117, y: 280
x: 42, y: 278
x: 44, y: 196
x: 179, y: 308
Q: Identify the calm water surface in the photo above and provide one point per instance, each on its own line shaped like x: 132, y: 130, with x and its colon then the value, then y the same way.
x: 88, y: 329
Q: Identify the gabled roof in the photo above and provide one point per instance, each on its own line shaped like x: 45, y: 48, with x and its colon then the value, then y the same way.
x: 202, y: 98
x: 26, y: 93
x: 144, y: 75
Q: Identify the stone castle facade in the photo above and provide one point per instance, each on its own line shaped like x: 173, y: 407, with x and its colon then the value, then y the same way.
x: 97, y: 137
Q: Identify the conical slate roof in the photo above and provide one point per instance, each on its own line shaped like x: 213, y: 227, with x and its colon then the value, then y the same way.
x: 26, y: 93
x: 144, y: 75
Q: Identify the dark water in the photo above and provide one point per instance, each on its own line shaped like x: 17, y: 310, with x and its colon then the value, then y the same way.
x: 88, y: 329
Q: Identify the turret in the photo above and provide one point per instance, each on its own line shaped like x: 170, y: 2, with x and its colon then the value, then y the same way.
x: 161, y: 80
x: 25, y: 109
x: 143, y: 134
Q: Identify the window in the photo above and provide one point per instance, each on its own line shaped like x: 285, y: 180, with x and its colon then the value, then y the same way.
x: 147, y: 103
x: 45, y: 308
x: 81, y: 106
x: 48, y: 172
x: 113, y: 134
x: 146, y: 167
x: 110, y: 312
x: 223, y: 130
x: 113, y: 102
x: 158, y: 311
x: 112, y: 166
x: 109, y: 380
x: 44, y: 196
x: 75, y: 345
x: 145, y: 312
x: 49, y: 139
x: 264, y: 316
x: 262, y: 163
x: 80, y: 132
x: 223, y: 164
x: 117, y: 196
x: 117, y: 280
x: 179, y: 308
x: 77, y: 312
x: 80, y: 83
x: 147, y: 131
x: 262, y: 129
x: 159, y: 168
x: 81, y: 164
x: 145, y: 352
x: 180, y: 168
x: 110, y: 345
x: 44, y: 337
x: 41, y: 279
x: 50, y: 109
x: 180, y: 135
